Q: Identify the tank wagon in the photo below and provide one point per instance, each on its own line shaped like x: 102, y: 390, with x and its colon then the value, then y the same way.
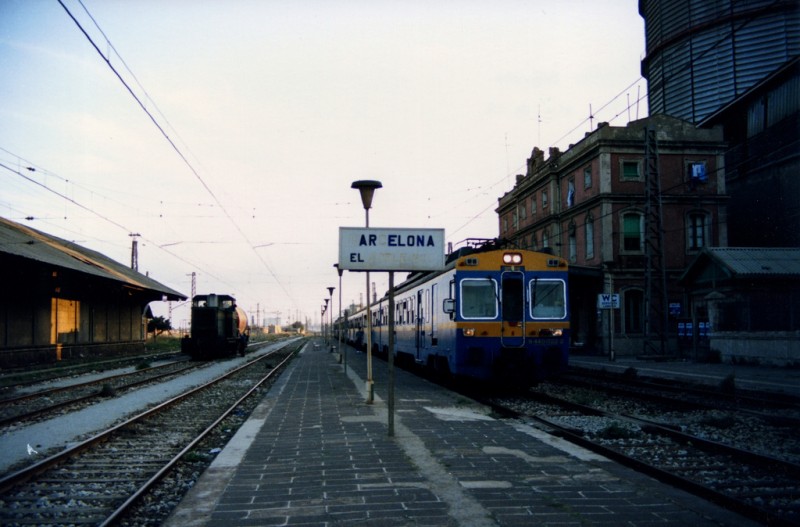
x: 496, y: 315
x: 219, y: 328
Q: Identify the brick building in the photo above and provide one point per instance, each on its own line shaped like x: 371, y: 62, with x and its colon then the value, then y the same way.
x: 591, y: 205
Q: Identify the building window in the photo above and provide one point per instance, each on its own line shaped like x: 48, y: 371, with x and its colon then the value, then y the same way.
x: 514, y: 220
x: 570, y: 193
x: 523, y: 212
x: 696, y: 231
x: 545, y: 239
x: 633, y: 232
x: 587, y: 177
x: 696, y: 173
x: 631, y: 170
x: 634, y: 311
x: 544, y: 199
x: 589, y: 237
x: 534, y: 246
x: 505, y: 225
x: 533, y: 206
x: 572, y: 242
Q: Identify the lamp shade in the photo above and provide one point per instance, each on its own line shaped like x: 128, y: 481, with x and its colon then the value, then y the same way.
x: 367, y: 188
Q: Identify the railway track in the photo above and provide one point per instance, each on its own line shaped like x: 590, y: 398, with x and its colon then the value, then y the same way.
x: 757, y: 485
x: 726, y: 396
x: 13, y: 380
x: 100, y: 480
x: 17, y: 410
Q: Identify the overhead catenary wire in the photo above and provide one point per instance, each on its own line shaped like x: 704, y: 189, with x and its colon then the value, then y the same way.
x: 109, y: 220
x: 505, y: 177
x: 63, y: 196
x: 174, y: 146
x: 484, y: 211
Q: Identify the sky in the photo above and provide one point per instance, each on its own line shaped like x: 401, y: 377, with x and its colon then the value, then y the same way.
x: 226, y: 135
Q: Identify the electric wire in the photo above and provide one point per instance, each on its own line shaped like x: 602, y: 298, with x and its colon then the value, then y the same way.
x: 208, y: 189
x: 176, y: 149
x: 106, y: 219
x: 594, y: 114
x: 603, y: 107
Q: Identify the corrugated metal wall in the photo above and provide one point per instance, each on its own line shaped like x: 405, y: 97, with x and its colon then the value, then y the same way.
x: 703, y: 54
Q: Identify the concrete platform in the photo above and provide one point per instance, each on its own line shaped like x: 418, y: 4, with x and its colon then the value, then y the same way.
x: 314, y: 453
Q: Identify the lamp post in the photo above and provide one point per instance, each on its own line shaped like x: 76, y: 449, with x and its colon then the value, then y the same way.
x: 367, y: 188
x: 342, y: 349
x: 325, y: 331
x: 330, y: 327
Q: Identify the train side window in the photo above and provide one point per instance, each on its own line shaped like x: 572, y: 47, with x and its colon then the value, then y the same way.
x: 429, y: 303
x: 547, y: 299
x: 478, y: 298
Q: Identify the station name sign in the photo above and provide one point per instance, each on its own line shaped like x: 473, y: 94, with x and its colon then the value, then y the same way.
x: 398, y: 249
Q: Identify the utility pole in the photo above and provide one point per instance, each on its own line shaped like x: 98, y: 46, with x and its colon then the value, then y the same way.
x: 194, y: 285
x: 656, y: 314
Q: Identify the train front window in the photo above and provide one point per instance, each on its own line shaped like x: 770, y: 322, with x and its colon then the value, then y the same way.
x: 548, y: 298
x: 479, y: 298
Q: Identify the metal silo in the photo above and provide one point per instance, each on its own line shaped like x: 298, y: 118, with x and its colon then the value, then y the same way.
x: 704, y: 54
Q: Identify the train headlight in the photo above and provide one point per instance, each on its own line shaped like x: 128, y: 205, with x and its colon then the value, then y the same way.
x: 469, y: 332
x: 512, y: 258
x: 551, y: 332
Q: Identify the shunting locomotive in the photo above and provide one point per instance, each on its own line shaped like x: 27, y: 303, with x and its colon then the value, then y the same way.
x: 219, y: 328
x: 492, y: 314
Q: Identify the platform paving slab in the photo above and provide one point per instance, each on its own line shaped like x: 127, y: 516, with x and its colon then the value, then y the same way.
x: 314, y: 453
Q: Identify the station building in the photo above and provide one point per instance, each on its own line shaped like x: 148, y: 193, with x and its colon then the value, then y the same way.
x: 589, y: 205
x: 62, y: 301
x: 751, y: 296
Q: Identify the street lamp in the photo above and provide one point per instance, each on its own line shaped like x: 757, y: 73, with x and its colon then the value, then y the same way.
x: 367, y: 188
x: 330, y: 328
x: 325, y: 331
x: 342, y: 349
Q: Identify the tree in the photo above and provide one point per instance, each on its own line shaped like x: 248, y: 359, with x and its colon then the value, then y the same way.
x: 158, y: 325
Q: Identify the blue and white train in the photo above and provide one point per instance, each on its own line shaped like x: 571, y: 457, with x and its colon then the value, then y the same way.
x: 497, y: 315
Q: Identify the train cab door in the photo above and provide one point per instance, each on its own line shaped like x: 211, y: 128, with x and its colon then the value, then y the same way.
x: 512, y: 309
